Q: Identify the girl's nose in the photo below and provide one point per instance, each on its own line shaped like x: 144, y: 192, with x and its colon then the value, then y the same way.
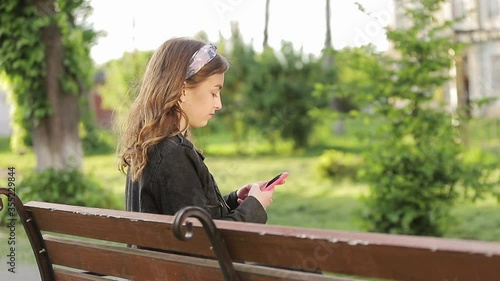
x: 218, y: 103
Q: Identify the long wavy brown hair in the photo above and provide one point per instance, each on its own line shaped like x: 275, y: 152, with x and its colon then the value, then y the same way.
x: 155, y: 113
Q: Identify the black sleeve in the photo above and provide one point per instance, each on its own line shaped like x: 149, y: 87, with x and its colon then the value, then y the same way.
x: 232, y: 200
x: 250, y: 210
x: 250, y: 207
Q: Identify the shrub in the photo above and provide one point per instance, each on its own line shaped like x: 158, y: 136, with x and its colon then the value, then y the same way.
x: 97, y: 142
x: 413, y: 181
x: 414, y: 165
x: 69, y: 186
x: 338, y: 165
x: 481, y: 171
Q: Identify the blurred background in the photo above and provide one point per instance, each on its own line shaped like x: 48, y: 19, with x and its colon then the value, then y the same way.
x: 386, y: 114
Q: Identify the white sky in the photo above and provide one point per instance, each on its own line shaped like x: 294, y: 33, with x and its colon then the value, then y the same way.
x: 300, y: 21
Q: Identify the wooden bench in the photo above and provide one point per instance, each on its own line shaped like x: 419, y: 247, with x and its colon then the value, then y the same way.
x: 81, y: 243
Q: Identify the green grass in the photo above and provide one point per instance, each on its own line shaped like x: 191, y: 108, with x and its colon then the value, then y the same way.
x: 303, y: 200
x: 485, y: 134
x: 479, y: 221
x: 105, y: 169
x: 306, y: 201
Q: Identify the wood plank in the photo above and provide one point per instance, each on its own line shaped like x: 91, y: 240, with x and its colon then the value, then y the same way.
x: 152, y: 231
x: 397, y: 257
x: 66, y: 275
x: 136, y: 264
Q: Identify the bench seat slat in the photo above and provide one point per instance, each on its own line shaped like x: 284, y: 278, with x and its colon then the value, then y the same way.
x: 363, y: 254
x: 119, y: 261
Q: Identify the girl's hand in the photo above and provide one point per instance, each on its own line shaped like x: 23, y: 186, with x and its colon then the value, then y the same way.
x: 243, y: 191
x: 264, y: 197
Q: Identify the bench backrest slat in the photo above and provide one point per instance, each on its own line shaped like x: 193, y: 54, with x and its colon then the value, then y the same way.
x: 127, y: 263
x: 363, y: 254
x: 66, y: 275
x: 117, y: 261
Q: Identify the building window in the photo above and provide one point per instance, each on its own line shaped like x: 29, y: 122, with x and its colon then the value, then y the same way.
x: 495, y: 73
x: 458, y: 8
x: 492, y: 8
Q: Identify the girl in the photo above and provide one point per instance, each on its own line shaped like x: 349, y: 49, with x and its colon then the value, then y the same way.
x: 180, y: 90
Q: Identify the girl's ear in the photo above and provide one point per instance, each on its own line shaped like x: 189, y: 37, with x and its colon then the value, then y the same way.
x: 184, y: 93
x: 185, y: 89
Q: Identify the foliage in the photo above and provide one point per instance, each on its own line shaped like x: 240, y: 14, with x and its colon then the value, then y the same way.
x: 121, y: 79
x: 339, y: 165
x: 298, y: 79
x: 415, y: 166
x: 69, y: 186
x: 263, y: 99
x: 279, y: 95
x: 241, y: 56
x: 267, y: 96
x: 19, y: 137
x: 354, y: 86
x: 350, y: 89
x: 23, y: 58
x: 97, y: 141
x: 481, y: 171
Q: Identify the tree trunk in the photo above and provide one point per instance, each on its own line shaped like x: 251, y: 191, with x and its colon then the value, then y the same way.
x: 327, y: 55
x: 328, y: 37
x: 266, y: 25
x: 55, y: 137
x: 462, y: 104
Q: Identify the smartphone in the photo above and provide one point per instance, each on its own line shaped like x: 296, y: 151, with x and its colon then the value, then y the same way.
x: 274, y: 181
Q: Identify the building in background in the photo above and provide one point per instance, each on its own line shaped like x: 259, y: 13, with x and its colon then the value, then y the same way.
x: 477, y: 75
x: 5, y: 108
x: 102, y: 116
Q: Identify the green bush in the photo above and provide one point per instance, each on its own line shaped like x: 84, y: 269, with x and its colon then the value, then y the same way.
x: 338, y: 165
x: 69, y: 186
x: 414, y: 164
x: 481, y: 172
x: 413, y: 181
x: 97, y: 141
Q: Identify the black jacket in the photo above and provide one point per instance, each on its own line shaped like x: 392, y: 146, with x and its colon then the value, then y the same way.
x: 176, y: 176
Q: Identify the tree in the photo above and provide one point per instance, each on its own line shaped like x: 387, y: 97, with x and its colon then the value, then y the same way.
x: 242, y: 58
x: 122, y: 78
x: 328, y: 53
x: 354, y: 86
x: 45, y: 53
x: 266, y: 25
x: 329, y: 74
x: 279, y: 94
x: 263, y: 96
x: 415, y: 165
x: 328, y: 37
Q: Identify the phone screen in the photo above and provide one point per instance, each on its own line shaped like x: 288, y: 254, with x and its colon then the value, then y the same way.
x: 276, y: 180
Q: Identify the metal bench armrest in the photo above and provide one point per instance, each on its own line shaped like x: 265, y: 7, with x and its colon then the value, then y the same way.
x: 218, y: 244
x: 33, y: 232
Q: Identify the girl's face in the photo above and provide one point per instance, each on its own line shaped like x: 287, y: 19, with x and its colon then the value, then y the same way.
x: 201, y: 102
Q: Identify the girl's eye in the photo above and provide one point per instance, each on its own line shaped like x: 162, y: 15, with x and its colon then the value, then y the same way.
x: 215, y: 95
